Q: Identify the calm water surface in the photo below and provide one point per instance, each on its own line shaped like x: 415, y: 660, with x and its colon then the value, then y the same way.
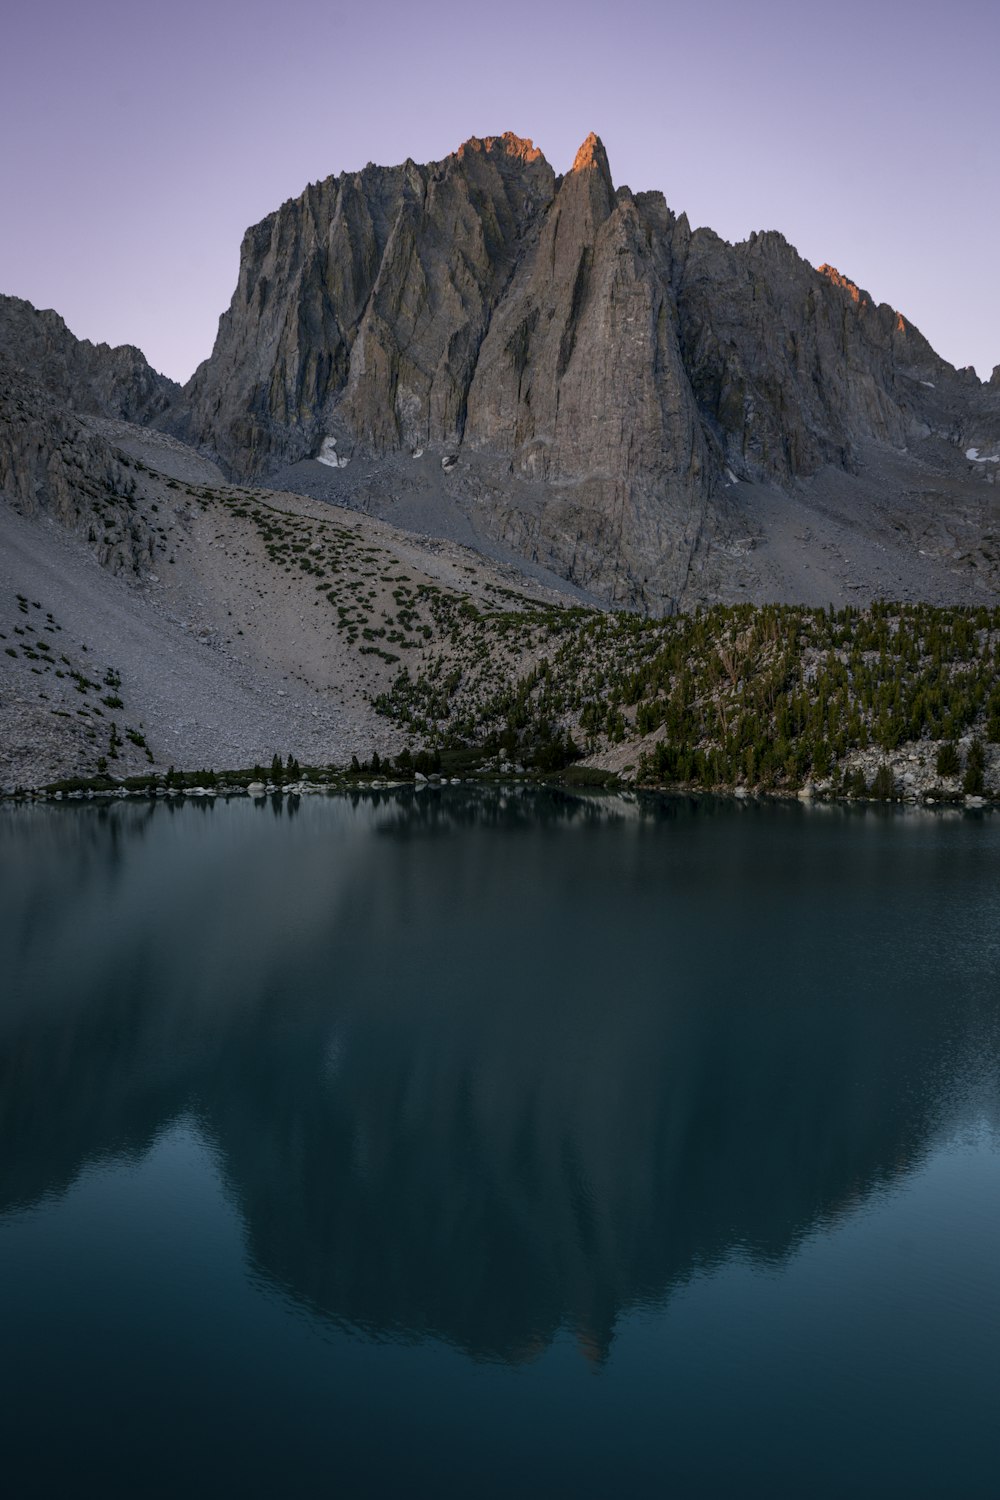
x: 450, y: 1144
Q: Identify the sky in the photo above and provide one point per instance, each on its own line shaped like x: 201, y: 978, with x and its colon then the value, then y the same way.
x: 139, y: 141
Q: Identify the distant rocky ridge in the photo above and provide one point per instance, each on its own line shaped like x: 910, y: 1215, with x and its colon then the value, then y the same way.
x: 55, y: 391
x: 594, y: 374
x: 93, y: 379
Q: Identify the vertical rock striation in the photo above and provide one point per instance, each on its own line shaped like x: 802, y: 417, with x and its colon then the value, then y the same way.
x: 361, y: 307
x: 580, y: 381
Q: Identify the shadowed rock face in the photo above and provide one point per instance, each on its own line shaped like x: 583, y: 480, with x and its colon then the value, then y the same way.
x: 580, y: 382
x: 361, y: 307
x: 792, y: 367
x: 93, y: 379
x: 602, y: 370
x: 52, y: 463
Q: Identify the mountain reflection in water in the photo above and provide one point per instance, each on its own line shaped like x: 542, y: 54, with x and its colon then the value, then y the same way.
x: 483, y: 1067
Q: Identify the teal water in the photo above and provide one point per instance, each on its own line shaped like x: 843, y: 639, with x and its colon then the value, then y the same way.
x: 459, y: 1144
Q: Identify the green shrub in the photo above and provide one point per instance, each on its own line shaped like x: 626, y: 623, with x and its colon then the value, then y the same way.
x: 975, y: 764
x: 883, y: 784
x: 855, y: 784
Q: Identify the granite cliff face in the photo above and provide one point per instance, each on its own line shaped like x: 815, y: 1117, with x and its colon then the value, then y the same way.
x: 93, y: 379
x: 361, y: 306
x: 580, y: 385
x: 55, y: 462
x: 52, y: 464
x: 593, y: 375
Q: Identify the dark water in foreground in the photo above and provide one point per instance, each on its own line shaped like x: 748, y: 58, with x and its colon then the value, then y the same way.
x: 447, y: 1147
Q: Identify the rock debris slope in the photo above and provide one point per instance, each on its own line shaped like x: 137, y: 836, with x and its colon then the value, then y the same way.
x: 598, y: 381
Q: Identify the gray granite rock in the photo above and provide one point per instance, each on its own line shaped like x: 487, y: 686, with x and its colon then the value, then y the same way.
x: 600, y: 374
x: 94, y: 379
x: 52, y: 463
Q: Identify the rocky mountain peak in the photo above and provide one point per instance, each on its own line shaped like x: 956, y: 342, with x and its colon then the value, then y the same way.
x: 519, y: 148
x: 588, y: 183
x: 592, y: 157
x: 597, y: 376
x: 591, y: 154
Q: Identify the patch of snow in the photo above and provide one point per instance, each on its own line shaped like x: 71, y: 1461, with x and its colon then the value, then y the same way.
x: 731, y: 477
x: 417, y: 453
x: 976, y: 457
x: 929, y: 384
x: 328, y: 454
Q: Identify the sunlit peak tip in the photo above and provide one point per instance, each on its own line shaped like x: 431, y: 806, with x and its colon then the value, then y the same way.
x: 843, y: 282
x: 591, y: 154
x: 510, y: 144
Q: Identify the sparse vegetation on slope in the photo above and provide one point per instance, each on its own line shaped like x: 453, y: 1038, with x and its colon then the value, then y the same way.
x: 337, y: 613
x: 770, y: 698
x: 69, y: 705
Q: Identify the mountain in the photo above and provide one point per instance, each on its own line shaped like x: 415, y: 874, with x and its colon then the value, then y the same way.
x: 594, y: 382
x: 446, y: 403
x: 93, y: 379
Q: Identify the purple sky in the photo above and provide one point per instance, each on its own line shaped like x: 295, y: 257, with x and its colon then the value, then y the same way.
x: 139, y: 141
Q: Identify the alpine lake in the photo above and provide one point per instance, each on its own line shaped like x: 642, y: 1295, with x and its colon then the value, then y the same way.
x: 483, y: 1142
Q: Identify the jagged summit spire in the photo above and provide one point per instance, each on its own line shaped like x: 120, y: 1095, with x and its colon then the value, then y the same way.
x: 592, y: 154
x: 589, y: 181
x: 591, y: 165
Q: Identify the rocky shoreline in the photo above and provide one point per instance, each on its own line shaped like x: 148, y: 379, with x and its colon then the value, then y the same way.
x: 228, y: 786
